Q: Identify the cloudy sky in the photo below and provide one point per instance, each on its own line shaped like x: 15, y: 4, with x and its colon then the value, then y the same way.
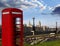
x: 46, y: 11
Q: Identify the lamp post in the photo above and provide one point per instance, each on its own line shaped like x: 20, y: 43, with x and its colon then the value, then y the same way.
x: 33, y: 27
x: 56, y: 28
x: 33, y: 23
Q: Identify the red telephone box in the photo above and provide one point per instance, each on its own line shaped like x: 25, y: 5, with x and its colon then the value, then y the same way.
x: 12, y: 27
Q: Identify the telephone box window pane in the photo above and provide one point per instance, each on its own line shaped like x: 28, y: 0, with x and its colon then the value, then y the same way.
x: 18, y: 27
x: 18, y: 20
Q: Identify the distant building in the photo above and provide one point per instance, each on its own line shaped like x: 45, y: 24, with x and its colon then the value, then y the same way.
x: 29, y: 25
x: 38, y: 24
x: 45, y: 28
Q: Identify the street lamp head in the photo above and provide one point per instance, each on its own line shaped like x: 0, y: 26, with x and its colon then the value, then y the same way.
x: 33, y: 17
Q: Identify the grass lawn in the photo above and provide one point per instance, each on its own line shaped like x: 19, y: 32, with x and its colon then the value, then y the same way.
x: 49, y: 43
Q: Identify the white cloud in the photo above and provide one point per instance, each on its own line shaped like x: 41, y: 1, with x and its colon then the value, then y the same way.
x: 33, y: 3
x: 33, y: 0
x: 51, y: 8
x: 25, y: 4
x: 22, y: 0
x: 23, y: 7
x: 7, y: 5
x: 3, y: 0
x: 17, y: 2
x: 56, y: 10
x: 40, y: 4
x: 28, y: 4
x: 57, y: 5
x: 43, y: 8
x: 42, y: 1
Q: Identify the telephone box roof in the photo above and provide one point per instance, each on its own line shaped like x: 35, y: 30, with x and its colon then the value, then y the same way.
x: 11, y: 10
